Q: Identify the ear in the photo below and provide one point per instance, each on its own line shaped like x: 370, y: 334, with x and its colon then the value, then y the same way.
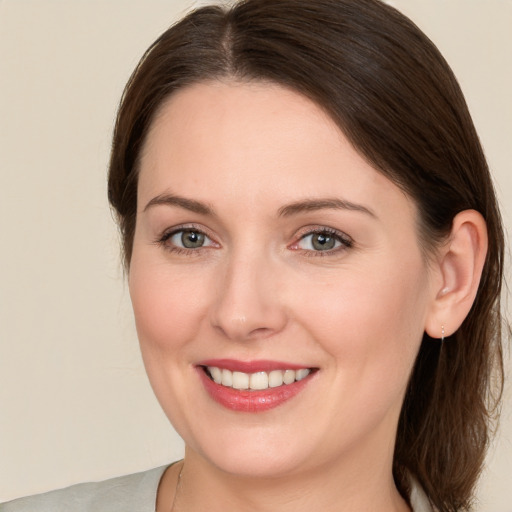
x: 458, y: 265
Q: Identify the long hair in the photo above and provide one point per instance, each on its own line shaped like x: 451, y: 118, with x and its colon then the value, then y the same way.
x: 394, y: 96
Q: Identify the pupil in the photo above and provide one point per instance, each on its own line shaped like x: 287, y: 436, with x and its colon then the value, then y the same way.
x: 192, y: 239
x: 323, y: 242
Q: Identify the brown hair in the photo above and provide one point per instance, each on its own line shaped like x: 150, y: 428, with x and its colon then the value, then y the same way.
x: 391, y: 92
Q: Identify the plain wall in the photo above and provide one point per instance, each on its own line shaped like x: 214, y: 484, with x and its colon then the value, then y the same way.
x: 75, y: 404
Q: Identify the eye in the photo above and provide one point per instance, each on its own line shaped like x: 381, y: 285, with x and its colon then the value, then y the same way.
x: 185, y: 239
x: 188, y: 239
x: 323, y: 240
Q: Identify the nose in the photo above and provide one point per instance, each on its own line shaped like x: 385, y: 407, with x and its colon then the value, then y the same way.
x: 248, y: 304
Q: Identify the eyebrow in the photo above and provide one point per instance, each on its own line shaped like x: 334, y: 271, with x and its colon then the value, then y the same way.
x: 182, y: 202
x: 304, y: 206
x: 309, y: 205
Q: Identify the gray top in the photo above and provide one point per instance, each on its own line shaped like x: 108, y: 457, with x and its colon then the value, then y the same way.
x: 131, y: 493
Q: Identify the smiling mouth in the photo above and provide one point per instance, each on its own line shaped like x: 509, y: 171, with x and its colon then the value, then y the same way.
x: 257, y: 381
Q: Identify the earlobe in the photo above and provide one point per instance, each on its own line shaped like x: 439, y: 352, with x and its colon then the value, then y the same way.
x: 460, y: 263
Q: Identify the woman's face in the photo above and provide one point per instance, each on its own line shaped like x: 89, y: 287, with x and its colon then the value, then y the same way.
x: 264, y: 243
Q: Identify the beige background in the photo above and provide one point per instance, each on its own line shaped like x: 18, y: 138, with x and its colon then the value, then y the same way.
x: 75, y: 404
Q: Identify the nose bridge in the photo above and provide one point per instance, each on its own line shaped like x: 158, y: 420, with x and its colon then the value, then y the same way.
x: 247, y: 304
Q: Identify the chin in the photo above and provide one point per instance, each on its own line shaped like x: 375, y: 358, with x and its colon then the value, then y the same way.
x: 256, y: 463
x: 257, y: 453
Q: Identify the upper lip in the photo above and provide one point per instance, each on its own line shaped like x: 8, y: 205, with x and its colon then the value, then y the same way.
x: 255, y: 366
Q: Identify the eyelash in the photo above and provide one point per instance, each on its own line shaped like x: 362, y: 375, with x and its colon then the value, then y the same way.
x: 168, y: 234
x: 345, y: 241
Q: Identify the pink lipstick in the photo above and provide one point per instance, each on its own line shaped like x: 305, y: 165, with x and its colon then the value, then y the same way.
x: 253, y: 386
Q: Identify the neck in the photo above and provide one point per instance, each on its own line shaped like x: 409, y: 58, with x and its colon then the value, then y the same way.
x: 327, y: 488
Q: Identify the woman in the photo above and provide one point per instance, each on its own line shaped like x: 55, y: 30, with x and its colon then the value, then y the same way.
x: 314, y: 255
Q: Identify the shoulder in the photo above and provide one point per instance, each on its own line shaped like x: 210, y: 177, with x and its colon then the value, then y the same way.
x: 128, y: 493
x: 418, y: 498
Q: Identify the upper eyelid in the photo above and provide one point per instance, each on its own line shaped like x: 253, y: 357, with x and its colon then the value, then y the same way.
x: 168, y: 232
x: 311, y: 230
x: 346, y: 241
x: 164, y: 240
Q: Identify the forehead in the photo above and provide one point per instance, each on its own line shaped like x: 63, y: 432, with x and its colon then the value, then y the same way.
x: 252, y: 142
x: 239, y: 112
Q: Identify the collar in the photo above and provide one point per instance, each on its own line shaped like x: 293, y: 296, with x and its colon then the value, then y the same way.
x: 419, y: 500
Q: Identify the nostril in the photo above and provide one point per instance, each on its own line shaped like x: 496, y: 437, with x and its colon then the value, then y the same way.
x: 260, y: 332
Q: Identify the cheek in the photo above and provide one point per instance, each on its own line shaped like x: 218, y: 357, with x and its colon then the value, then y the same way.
x: 370, y: 321
x: 167, y: 305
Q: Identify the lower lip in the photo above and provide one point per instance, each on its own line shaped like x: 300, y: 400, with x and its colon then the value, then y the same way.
x: 252, y: 401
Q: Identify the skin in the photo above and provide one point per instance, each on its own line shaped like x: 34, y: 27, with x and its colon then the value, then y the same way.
x: 258, y: 289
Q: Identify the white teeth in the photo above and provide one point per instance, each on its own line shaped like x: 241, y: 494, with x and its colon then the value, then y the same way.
x: 258, y: 380
x: 227, y: 378
x: 216, y: 374
x: 301, y: 374
x: 275, y: 379
x: 240, y: 380
x: 289, y: 376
